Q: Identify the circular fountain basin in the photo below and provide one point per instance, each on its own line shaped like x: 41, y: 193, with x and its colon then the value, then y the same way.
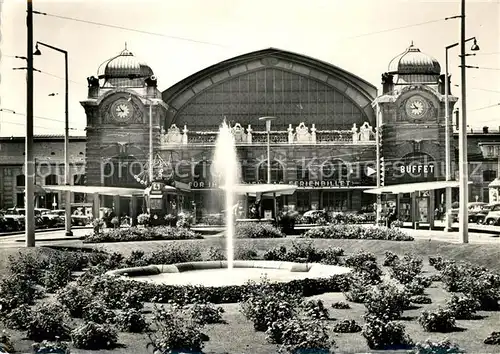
x: 216, y: 273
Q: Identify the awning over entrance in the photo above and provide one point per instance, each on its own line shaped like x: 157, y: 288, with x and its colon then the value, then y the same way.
x: 494, y: 184
x: 413, y: 187
x: 265, y: 189
x: 124, y: 192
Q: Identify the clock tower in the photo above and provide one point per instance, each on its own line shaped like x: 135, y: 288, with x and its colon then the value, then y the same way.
x: 411, y: 119
x: 123, y: 102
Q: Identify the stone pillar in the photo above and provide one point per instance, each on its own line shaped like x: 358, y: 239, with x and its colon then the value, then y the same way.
x: 133, y: 210
x: 96, y: 206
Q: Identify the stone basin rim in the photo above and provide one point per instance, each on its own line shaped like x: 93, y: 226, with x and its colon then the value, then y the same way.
x: 321, y: 270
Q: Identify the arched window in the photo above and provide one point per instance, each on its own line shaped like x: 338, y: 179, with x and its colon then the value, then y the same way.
x: 79, y: 180
x: 20, y: 180
x: 277, y: 172
x: 302, y: 172
x: 122, y: 171
x: 51, y: 180
x: 335, y: 170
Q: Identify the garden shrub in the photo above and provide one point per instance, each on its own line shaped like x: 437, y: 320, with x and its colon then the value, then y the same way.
x: 359, y: 285
x: 132, y: 299
x: 175, y: 331
x: 257, y: 230
x: 143, y: 234
x: 212, y: 220
x: 51, y: 347
x: 98, y: 312
x: 484, y: 288
x: 112, y: 292
x: 74, y: 298
x: 175, y: 253
x: 93, y: 336
x: 184, y: 220
x: 315, y: 309
x: 386, y: 301
x: 245, y: 254
x: 131, y: 320
x: 16, y: 290
x: 365, y: 263
x: 441, y: 347
x: 296, y: 335
x: 462, y: 307
x: 30, y: 266
x: 49, y: 321
x: 493, y: 339
x: 56, y: 277
x: 136, y: 259
x: 420, y: 299
x: 414, y: 288
x: 439, y: 320
x: 6, y: 342
x: 380, y: 334
x: 437, y: 262
x: 406, y: 269
x: 347, y: 326
x: 268, y: 307
x: 143, y: 219
x: 206, y: 313
x: 18, y: 318
x: 344, y: 231
x: 216, y: 254
x: 390, y: 259
x: 340, y: 305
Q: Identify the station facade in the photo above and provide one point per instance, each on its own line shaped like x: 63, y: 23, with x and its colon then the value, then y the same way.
x: 323, y: 137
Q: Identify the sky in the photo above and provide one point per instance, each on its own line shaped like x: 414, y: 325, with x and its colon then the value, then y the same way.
x: 360, y: 36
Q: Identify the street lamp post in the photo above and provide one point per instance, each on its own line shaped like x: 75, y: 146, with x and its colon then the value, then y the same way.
x: 447, y: 129
x: 67, y: 177
x: 268, y: 121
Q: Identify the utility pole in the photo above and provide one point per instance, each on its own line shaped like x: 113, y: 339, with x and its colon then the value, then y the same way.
x: 29, y: 165
x: 463, y: 216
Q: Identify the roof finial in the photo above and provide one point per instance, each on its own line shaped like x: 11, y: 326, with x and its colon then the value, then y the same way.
x: 411, y: 45
x: 125, y: 45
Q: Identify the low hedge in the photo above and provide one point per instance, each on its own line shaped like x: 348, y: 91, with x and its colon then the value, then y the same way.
x: 143, y: 234
x: 257, y: 230
x: 189, y: 294
x: 344, y: 231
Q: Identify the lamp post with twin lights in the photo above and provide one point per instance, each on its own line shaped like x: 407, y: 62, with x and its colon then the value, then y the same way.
x: 448, y: 133
x: 66, y: 133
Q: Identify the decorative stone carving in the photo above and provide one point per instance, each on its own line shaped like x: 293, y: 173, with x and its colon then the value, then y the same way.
x: 365, y: 132
x: 249, y: 134
x: 302, y: 134
x: 173, y: 136
x: 313, y: 134
x: 290, y: 134
x: 185, y: 135
x: 355, y: 134
x: 239, y: 133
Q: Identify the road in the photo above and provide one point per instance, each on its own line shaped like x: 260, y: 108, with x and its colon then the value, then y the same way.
x: 58, y: 237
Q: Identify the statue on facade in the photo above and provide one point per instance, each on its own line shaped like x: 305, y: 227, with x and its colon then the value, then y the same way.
x: 173, y: 135
x: 290, y: 134
x: 355, y: 134
x: 365, y: 132
x: 302, y: 133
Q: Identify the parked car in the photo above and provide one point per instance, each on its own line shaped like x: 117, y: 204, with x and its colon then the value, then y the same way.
x: 473, y: 209
x: 53, y: 218
x: 313, y: 216
x: 493, y: 217
x: 16, y: 216
x: 481, y: 214
x: 7, y: 224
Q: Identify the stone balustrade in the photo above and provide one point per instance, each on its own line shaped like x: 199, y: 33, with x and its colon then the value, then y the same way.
x: 300, y: 135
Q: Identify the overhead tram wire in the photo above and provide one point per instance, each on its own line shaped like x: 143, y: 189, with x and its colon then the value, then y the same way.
x: 211, y: 43
x: 128, y: 29
x: 11, y: 111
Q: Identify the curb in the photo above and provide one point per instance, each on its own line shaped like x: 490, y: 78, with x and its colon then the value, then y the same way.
x: 14, y: 233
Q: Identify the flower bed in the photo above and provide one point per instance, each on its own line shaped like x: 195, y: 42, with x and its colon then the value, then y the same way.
x: 143, y: 234
x: 343, y: 231
x: 257, y: 230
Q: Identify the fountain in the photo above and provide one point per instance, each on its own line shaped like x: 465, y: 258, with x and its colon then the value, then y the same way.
x: 226, y: 168
x: 216, y: 273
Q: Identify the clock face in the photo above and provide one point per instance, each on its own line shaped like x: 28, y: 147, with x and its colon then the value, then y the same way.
x: 416, y: 107
x: 122, y: 110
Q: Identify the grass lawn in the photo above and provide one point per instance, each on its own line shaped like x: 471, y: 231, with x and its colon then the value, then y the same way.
x: 238, y: 336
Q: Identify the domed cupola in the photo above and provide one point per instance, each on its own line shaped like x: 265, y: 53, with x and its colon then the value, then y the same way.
x: 125, y: 70
x: 413, y: 66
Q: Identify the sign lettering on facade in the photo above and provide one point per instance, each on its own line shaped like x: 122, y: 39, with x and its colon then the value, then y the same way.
x: 305, y: 183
